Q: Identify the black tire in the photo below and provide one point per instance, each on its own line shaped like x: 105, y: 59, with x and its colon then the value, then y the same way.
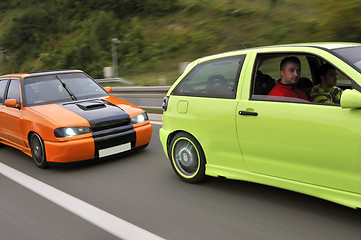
x: 187, y: 158
x: 38, y: 151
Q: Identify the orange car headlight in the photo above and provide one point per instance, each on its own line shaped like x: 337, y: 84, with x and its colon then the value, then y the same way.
x: 70, y: 131
x: 140, y: 118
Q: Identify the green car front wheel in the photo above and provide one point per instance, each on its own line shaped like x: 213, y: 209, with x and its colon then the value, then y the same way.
x: 187, y: 158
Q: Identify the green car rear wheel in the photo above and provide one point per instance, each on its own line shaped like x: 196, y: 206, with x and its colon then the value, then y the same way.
x: 187, y: 158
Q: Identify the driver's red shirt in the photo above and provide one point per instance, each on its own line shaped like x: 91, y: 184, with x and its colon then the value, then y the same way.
x: 282, y: 90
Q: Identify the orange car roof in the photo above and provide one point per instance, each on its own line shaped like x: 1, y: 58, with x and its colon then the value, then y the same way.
x: 23, y: 75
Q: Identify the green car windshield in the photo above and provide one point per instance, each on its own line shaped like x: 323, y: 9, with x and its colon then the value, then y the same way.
x: 352, y: 55
x: 58, y: 88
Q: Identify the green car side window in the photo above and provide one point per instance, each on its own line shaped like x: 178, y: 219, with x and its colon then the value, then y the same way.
x: 216, y: 79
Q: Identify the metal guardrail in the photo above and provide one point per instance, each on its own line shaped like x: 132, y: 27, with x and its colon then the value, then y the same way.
x: 118, y: 80
x: 150, y: 98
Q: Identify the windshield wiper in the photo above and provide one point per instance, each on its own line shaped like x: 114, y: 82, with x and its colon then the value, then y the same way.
x: 67, y: 89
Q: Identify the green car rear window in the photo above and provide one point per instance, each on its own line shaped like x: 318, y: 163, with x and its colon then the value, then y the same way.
x: 215, y: 78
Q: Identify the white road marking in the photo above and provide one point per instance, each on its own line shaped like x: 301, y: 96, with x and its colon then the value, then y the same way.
x: 108, y: 222
x: 156, y: 122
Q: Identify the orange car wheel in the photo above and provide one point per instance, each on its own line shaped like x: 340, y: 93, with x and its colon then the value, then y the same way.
x: 38, y: 150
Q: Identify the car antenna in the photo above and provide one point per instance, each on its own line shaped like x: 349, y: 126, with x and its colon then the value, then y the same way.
x: 241, y: 44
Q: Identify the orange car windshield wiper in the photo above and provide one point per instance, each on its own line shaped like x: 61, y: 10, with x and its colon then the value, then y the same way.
x: 67, y: 89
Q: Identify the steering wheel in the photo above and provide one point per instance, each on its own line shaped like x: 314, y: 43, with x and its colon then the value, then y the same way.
x: 217, y: 82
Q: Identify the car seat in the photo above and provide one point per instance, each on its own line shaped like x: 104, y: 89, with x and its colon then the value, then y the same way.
x: 264, y: 84
x: 305, y: 84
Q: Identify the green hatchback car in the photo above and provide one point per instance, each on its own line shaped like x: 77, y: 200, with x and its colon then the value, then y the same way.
x: 219, y: 120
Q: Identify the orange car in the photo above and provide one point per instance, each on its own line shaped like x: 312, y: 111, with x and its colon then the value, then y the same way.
x: 65, y: 116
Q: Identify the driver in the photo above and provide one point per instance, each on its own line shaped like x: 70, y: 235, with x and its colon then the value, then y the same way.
x: 290, y: 69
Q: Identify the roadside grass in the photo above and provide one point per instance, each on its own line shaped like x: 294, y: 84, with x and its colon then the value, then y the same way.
x: 208, y: 27
x: 147, y: 79
x: 199, y: 28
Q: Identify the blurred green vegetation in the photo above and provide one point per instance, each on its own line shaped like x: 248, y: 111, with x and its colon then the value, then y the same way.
x: 156, y: 35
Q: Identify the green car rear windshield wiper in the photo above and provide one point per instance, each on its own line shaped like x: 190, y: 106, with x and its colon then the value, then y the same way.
x: 67, y: 89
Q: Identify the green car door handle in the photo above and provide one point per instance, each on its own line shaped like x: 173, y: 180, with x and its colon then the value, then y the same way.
x: 246, y: 113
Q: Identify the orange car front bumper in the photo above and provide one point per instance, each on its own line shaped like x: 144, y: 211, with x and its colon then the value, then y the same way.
x: 85, y: 149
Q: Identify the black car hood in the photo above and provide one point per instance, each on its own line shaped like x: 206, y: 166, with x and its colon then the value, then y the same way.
x: 99, y: 113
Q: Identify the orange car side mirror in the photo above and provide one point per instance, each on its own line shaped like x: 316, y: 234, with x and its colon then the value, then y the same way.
x: 12, y: 103
x: 108, y: 89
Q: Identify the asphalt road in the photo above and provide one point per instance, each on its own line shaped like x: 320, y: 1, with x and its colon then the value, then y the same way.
x: 142, y: 189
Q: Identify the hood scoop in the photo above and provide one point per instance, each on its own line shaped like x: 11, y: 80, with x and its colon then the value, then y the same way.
x: 100, y: 114
x: 91, y: 105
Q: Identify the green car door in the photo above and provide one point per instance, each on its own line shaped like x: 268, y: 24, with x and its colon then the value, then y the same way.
x: 301, y: 141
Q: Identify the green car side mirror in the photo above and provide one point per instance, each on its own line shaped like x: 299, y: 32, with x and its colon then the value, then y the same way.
x: 351, y: 99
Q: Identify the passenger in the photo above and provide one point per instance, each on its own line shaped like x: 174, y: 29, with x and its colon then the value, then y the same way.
x: 290, y: 69
x: 327, y: 91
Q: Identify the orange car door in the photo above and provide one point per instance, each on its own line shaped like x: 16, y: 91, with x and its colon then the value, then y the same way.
x: 11, y: 117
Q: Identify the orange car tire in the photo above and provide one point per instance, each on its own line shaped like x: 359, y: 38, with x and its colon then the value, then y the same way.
x: 38, y: 151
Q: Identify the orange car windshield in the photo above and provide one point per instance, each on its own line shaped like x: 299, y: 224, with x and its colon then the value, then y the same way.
x: 59, y: 88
